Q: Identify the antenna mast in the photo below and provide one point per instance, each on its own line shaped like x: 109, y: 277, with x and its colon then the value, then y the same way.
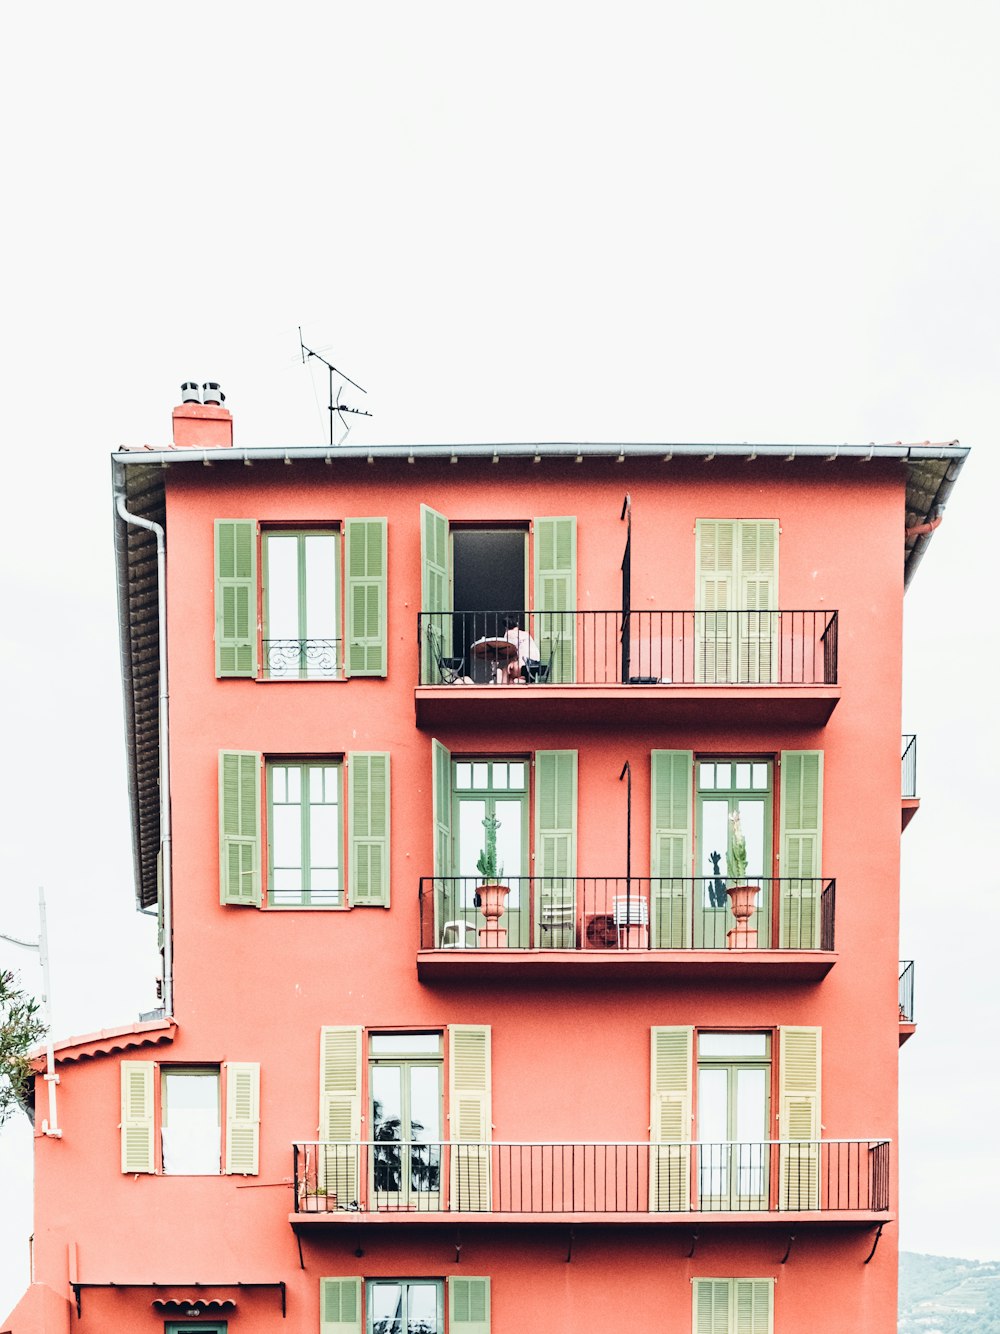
x: 334, y: 405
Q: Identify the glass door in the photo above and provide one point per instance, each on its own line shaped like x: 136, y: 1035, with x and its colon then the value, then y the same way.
x: 734, y: 1083
x: 492, y: 789
x: 405, y: 1085
x: 725, y: 788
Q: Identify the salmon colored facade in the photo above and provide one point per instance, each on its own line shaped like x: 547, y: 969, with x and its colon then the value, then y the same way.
x: 606, y: 1109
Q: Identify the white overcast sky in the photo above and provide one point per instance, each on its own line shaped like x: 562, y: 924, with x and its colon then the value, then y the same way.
x: 677, y: 221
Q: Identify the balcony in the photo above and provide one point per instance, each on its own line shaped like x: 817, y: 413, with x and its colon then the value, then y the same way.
x: 749, y: 666
x: 907, y: 1023
x: 911, y: 802
x: 615, y: 928
x: 808, y: 1182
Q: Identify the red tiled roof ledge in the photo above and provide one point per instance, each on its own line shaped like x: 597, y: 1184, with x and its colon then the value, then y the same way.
x: 149, y: 1033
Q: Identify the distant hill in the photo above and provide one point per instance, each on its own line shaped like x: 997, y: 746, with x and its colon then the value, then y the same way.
x: 938, y: 1295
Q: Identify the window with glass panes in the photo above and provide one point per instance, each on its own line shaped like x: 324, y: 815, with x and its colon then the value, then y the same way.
x: 305, y: 834
x: 301, y: 586
x: 190, y: 1121
x: 726, y: 788
x: 491, y: 789
x: 404, y: 1076
x: 733, y: 1125
x: 405, y: 1306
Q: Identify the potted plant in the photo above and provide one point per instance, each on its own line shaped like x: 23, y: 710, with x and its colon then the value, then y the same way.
x: 316, y: 1201
x: 492, y: 894
x: 742, y: 897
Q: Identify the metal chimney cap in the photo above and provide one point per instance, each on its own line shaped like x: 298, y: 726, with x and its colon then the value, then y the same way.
x: 190, y: 392
x: 212, y: 393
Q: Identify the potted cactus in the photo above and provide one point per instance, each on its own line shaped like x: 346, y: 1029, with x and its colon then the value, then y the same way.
x: 742, y: 897
x: 492, y: 894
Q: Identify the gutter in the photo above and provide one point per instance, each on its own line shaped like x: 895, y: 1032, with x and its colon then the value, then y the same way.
x: 542, y: 449
x: 121, y: 550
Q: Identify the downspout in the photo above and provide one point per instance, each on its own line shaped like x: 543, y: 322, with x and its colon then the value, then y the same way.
x: 164, y: 731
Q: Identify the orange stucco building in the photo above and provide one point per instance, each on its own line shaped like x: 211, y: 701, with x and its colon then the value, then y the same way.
x: 447, y: 766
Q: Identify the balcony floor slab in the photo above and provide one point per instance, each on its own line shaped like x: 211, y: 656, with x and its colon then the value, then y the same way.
x: 649, y: 966
x: 722, y: 706
x: 309, y: 1222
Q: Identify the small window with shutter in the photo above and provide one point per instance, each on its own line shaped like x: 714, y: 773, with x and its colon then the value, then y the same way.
x: 732, y: 1305
x: 208, y: 1118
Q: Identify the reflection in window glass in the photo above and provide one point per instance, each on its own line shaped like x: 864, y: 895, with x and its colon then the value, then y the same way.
x: 405, y: 1306
x: 405, y: 1044
x: 732, y: 1044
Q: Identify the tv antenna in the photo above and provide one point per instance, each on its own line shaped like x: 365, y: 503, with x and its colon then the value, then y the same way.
x: 335, y: 405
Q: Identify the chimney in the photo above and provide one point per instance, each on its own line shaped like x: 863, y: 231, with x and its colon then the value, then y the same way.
x: 200, y: 421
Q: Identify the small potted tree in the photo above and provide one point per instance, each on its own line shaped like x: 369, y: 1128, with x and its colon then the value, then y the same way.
x: 742, y: 897
x: 492, y: 893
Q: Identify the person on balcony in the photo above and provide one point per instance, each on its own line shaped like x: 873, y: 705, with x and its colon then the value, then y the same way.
x: 527, y: 650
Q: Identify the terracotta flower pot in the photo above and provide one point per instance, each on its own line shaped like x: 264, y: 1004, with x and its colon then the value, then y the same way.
x: 493, y: 904
x: 742, y: 901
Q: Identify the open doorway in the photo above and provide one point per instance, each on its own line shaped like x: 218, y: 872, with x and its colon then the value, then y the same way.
x: 489, y: 571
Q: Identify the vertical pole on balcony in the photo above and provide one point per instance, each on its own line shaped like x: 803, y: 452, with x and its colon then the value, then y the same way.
x: 627, y: 771
x: 626, y: 514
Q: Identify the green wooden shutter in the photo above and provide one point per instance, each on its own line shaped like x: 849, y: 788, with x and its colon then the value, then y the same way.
x: 239, y: 827
x: 340, y: 1114
x: 715, y: 639
x: 368, y: 821
x: 435, y: 595
x: 555, y: 595
x: 801, y: 842
x: 753, y: 1305
x: 470, y: 1113
x: 670, y: 849
x: 555, y: 837
x: 444, y: 892
x: 340, y: 1306
x: 799, y: 1054
x: 235, y: 597
x: 469, y: 1305
x: 137, y: 1078
x: 711, y: 1306
x: 242, y: 1117
x: 671, y: 1063
x: 758, y: 600
x: 365, y: 560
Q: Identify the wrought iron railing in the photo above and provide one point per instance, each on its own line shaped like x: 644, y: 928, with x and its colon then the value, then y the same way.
x: 634, y: 914
x: 603, y: 648
x: 906, y: 975
x: 505, y: 1177
x: 301, y: 659
x: 909, y: 765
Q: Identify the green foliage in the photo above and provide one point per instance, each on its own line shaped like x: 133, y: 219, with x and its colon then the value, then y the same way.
x: 487, y: 864
x: 19, y: 1028
x: 736, y: 861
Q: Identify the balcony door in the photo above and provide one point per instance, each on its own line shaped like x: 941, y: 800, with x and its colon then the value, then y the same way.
x: 492, y: 789
x: 734, y: 1084
x: 404, y: 1076
x: 728, y: 787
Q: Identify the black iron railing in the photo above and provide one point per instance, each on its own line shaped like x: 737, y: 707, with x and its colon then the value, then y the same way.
x: 909, y: 765
x: 906, y: 975
x: 301, y: 659
x: 602, y: 648
x: 630, y: 914
x: 501, y: 1178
